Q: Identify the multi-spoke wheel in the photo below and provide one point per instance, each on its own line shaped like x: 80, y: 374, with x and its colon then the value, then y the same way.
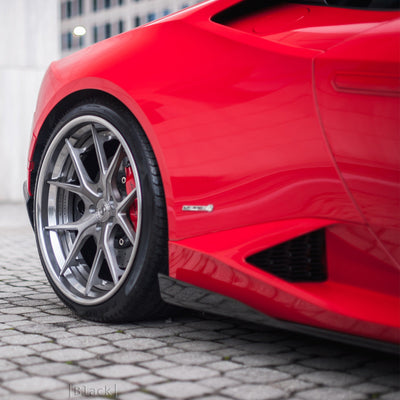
x: 100, y: 216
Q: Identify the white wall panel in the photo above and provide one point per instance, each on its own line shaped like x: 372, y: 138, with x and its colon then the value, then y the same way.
x: 29, y: 31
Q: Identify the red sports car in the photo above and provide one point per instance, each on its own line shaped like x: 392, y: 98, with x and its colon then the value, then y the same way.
x: 237, y: 157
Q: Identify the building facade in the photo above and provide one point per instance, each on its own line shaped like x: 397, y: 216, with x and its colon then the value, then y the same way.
x: 102, y: 19
x: 29, y: 31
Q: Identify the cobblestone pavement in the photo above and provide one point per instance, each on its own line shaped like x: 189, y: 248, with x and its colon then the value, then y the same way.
x: 46, y: 352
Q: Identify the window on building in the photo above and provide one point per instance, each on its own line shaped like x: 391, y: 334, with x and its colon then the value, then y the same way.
x: 69, y: 9
x: 120, y: 2
x: 69, y: 40
x: 107, y: 3
x: 94, y: 4
x: 151, y: 17
x: 120, y: 26
x: 137, y: 21
x: 107, y: 30
x: 95, y: 34
x: 166, y: 11
x: 80, y: 7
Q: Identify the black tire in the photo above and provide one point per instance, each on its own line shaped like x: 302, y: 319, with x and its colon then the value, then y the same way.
x: 101, y: 262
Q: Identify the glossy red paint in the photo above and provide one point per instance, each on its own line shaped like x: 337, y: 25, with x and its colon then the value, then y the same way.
x: 286, y: 121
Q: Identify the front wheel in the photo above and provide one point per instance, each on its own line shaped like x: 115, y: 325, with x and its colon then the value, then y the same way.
x: 99, y: 215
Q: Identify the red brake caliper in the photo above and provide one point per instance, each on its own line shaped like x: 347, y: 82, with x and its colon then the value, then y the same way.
x: 130, y: 185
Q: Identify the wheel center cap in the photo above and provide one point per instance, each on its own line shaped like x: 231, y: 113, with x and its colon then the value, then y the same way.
x: 105, y: 210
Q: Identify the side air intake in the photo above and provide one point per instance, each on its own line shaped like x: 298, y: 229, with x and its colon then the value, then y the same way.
x: 302, y: 259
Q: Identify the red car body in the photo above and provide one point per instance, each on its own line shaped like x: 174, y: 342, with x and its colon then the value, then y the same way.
x: 286, y: 119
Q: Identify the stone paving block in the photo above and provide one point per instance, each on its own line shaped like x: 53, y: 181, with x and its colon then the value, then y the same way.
x: 123, y: 357
x: 33, y: 384
x: 174, y: 339
x: 138, y: 344
x: 165, y: 351
x: 12, y: 375
x: 6, y: 365
x: 145, y: 380
x: 155, y: 365
x: 18, y: 310
x: 224, y: 366
x: 153, y: 333
x: 218, y: 382
x: 187, y: 373
x: 254, y: 392
x: 199, y: 345
x: 293, y: 385
x: 14, y: 351
x: 29, y: 360
x: 14, y: 396
x: 331, y: 394
x: 7, y: 318
x: 118, y: 371
x: 6, y: 330
x: 137, y: 396
x: 54, y: 319
x: 40, y: 328
x: 260, y: 360
x: 92, y: 363
x: 192, y: 357
x: 104, y: 349
x: 179, y: 390
x: 331, y: 378
x: 81, y: 342
x: 26, y: 339
x: 227, y: 353
x: 257, y: 375
x: 113, y: 337
x: 94, y: 330
x: 51, y: 369
x: 77, y: 378
x: 44, y: 347
x: 67, y: 354
x: 295, y: 369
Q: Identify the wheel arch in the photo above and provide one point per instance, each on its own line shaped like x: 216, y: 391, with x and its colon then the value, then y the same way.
x: 60, y: 109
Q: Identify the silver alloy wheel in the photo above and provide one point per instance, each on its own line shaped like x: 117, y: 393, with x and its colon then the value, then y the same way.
x: 83, y: 207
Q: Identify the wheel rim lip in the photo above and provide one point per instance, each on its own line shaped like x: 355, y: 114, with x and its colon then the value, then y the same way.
x: 68, y: 130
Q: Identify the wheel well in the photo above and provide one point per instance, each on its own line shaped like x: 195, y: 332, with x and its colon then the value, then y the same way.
x: 57, y: 113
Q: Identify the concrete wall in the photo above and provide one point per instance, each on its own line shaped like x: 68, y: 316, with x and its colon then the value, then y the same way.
x: 29, y: 32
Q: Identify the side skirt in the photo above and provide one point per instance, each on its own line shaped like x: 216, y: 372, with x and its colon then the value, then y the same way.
x: 186, y: 295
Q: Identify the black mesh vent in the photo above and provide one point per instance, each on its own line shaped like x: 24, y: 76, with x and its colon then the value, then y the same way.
x: 298, y: 260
